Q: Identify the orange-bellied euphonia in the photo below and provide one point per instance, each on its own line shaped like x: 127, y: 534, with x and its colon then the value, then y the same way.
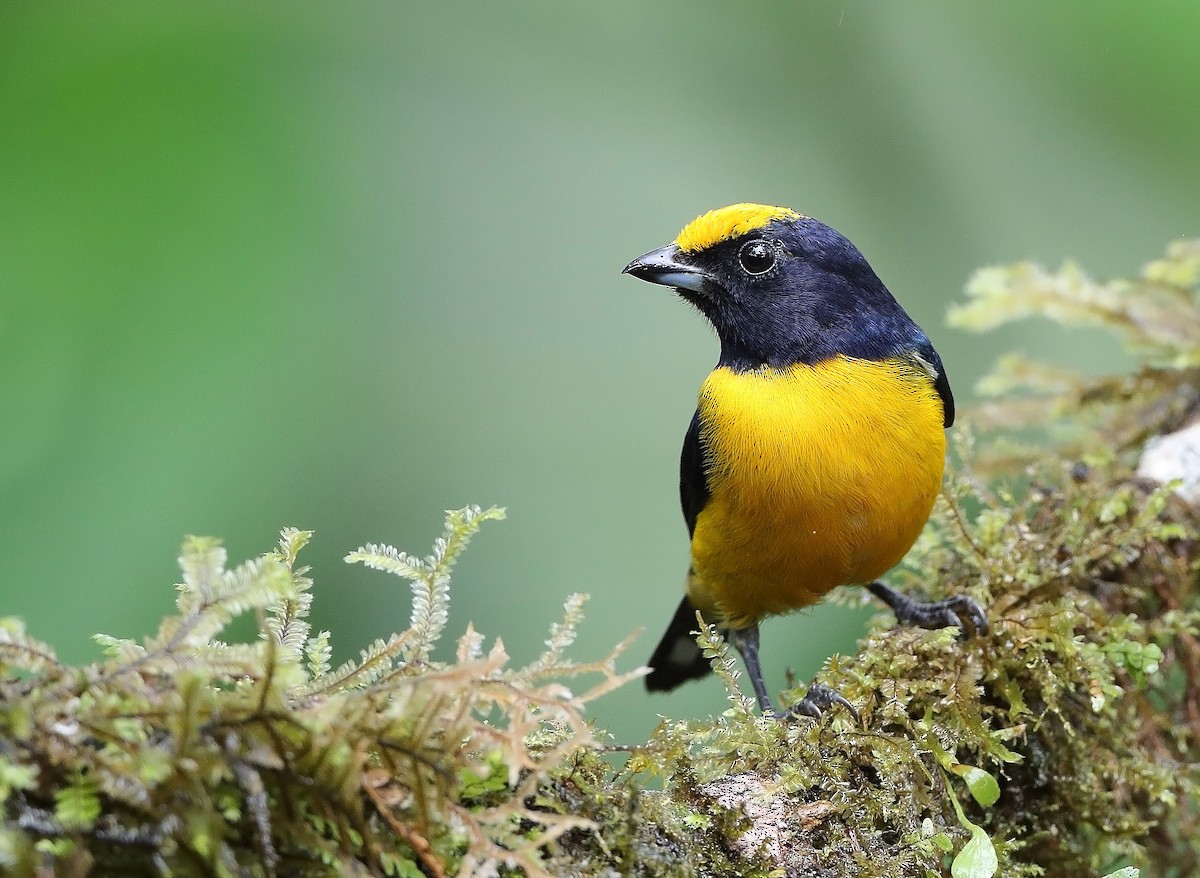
x: 816, y: 450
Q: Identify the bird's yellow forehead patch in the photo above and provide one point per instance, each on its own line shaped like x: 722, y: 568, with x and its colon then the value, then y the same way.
x: 728, y: 222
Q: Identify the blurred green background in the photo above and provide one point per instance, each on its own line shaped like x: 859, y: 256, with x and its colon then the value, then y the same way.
x: 345, y: 266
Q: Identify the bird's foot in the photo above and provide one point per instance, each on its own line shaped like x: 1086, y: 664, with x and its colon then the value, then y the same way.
x: 961, y: 611
x: 818, y: 700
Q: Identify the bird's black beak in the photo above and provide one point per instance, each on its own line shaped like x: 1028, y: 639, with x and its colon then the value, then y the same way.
x: 665, y: 266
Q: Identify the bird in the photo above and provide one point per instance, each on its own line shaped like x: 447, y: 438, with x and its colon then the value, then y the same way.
x: 816, y: 450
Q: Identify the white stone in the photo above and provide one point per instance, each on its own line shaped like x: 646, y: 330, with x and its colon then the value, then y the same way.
x: 1175, y: 456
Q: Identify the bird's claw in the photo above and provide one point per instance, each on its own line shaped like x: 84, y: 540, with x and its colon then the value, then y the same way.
x: 960, y: 611
x: 965, y: 608
x: 818, y: 700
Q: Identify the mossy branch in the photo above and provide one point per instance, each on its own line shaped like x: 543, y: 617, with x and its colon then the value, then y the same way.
x: 1063, y: 743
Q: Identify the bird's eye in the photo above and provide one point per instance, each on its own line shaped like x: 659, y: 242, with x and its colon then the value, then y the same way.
x: 757, y: 257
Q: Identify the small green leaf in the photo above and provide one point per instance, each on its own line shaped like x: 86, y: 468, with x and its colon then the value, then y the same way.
x: 399, y: 867
x: 475, y: 786
x: 118, y: 648
x: 1001, y: 752
x: 60, y: 848
x: 1137, y: 658
x: 977, y: 859
x: 1127, y: 872
x: 1114, y: 507
x: 78, y: 805
x: 982, y: 785
x: 155, y: 765
x: 15, y: 777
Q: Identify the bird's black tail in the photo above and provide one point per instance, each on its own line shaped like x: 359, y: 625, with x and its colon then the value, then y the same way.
x: 677, y: 658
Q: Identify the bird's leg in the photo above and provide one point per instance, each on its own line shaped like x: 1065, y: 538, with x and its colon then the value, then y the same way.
x: 746, y: 642
x: 961, y: 611
x: 819, y: 698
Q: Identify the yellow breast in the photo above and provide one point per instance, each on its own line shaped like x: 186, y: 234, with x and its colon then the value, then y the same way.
x: 818, y: 475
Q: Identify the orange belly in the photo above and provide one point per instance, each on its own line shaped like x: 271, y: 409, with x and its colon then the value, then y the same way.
x: 819, y: 476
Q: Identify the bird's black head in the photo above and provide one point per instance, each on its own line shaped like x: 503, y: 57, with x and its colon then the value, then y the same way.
x: 780, y: 288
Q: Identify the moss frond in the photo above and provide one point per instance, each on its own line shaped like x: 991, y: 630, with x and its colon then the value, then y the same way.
x: 215, y: 755
x: 1156, y: 315
x: 20, y: 652
x: 430, y: 577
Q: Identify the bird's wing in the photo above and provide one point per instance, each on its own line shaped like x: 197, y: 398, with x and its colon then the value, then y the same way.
x: 693, y: 484
x: 925, y: 355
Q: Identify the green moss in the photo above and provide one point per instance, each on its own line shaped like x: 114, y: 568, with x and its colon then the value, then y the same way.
x: 1062, y: 743
x: 191, y: 756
